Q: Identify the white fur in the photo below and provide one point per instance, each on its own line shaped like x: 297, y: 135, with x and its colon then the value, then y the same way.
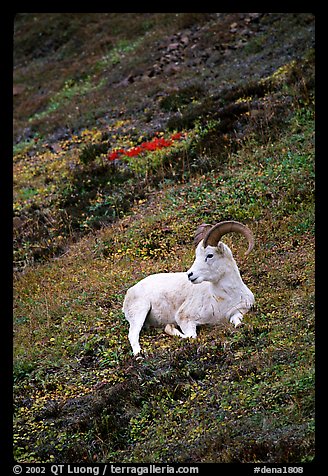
x: 170, y: 299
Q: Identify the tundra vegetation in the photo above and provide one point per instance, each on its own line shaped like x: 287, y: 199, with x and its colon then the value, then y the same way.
x: 227, y: 100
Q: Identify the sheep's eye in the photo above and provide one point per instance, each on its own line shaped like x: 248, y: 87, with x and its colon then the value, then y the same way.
x: 209, y: 256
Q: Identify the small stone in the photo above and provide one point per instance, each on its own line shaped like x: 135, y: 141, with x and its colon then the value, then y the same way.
x: 173, y: 46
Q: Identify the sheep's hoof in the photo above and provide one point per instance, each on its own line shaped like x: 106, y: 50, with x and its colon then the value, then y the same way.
x: 141, y: 355
x: 170, y: 329
x: 235, y: 321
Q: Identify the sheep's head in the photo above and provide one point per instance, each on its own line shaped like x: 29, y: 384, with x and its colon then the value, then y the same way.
x: 213, y: 256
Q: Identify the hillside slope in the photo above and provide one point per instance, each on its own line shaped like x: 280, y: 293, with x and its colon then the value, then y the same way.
x: 125, y: 140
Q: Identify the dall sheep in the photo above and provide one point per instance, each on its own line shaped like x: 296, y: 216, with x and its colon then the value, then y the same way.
x: 170, y: 299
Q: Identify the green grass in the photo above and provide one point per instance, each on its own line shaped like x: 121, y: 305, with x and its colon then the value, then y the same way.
x: 88, y: 229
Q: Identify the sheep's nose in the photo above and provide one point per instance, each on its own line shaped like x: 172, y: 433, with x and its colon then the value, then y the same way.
x: 190, y: 274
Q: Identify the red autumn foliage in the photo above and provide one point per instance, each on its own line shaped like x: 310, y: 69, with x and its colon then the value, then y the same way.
x: 155, y: 144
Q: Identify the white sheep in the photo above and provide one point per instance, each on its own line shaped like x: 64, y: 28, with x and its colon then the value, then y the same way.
x: 170, y: 299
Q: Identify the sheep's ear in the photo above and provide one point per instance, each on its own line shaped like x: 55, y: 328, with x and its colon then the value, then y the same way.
x: 220, y: 248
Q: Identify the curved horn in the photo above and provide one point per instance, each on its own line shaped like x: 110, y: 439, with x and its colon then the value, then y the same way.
x: 213, y: 236
x: 201, y: 232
